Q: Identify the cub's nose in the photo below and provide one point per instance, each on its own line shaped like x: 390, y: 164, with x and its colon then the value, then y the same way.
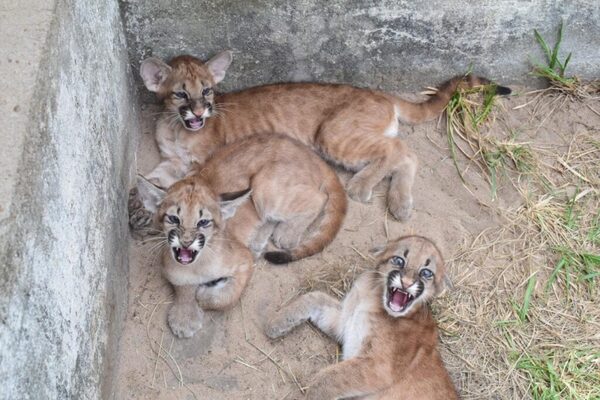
x: 198, y: 110
x: 187, y: 242
x: 407, y: 282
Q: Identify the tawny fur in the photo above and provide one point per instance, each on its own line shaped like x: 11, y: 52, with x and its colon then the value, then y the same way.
x: 350, y: 126
x: 296, y: 201
x: 387, y: 355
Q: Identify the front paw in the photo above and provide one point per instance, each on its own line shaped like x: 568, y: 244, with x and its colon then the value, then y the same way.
x: 185, y: 319
x: 273, y: 331
x: 139, y: 217
x: 279, y: 326
x: 358, y: 191
x: 400, y: 209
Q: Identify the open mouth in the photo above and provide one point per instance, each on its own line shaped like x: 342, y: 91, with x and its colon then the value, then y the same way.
x: 193, y: 124
x: 398, y: 299
x: 184, y: 256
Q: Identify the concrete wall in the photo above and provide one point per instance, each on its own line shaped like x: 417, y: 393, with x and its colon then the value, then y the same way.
x: 68, y: 117
x: 389, y: 44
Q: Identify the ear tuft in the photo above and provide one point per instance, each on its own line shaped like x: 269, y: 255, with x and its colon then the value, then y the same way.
x: 219, y: 64
x: 154, y: 72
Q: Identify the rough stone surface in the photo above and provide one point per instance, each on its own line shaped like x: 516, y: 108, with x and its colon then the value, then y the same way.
x: 23, y: 29
x: 63, y: 239
x: 389, y: 44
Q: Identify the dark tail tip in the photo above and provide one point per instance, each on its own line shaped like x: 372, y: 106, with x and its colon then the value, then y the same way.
x: 278, y: 257
x: 502, y: 90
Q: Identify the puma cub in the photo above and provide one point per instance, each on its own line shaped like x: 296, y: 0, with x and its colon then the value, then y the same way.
x: 385, y: 325
x: 352, y: 127
x: 281, y: 190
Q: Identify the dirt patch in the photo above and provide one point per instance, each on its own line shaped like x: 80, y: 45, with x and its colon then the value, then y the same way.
x: 231, y: 358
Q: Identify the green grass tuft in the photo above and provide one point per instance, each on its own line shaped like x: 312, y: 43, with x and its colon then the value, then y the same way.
x: 523, y: 309
x: 554, y: 71
x: 570, y: 374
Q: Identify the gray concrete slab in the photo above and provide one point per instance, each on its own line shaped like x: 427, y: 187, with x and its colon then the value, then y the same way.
x: 389, y: 44
x: 69, y: 121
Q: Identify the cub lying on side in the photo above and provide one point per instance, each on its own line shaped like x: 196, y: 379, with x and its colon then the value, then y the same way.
x: 296, y: 200
x: 352, y: 127
x: 384, y: 323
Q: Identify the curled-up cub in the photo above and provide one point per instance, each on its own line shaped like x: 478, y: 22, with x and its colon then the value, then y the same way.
x: 385, y: 325
x: 267, y: 188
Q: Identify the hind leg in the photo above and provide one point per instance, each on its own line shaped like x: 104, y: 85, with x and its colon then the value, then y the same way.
x: 360, y: 186
x: 293, y: 213
x: 400, y: 201
x: 356, y: 377
x: 260, y: 238
x: 375, y: 157
x: 289, y: 232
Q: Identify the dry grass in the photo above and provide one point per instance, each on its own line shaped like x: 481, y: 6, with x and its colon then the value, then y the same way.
x: 336, y: 278
x: 469, y: 115
x: 524, y: 319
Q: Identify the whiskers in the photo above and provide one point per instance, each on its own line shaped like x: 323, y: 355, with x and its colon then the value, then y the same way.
x: 220, y: 109
x: 154, y: 247
x: 377, y: 275
x: 172, y: 119
x: 208, y: 248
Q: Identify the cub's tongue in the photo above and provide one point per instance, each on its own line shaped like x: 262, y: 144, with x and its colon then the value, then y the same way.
x: 185, y: 255
x: 195, y: 123
x: 399, y: 300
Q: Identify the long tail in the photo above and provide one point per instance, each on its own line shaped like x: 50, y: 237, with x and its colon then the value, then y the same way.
x: 329, y: 224
x: 414, y: 113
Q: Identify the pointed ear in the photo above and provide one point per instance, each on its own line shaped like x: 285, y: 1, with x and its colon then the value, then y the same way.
x: 154, y: 72
x: 448, y: 285
x: 150, y: 194
x: 218, y: 65
x: 443, y: 286
x: 378, y: 250
x: 229, y: 202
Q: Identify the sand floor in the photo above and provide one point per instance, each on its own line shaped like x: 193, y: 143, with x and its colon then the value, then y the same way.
x: 231, y: 358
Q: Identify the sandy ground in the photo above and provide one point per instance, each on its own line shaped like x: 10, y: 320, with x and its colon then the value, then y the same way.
x: 231, y: 358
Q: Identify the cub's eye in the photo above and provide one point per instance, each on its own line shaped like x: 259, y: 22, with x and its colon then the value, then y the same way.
x: 203, y: 223
x: 173, y: 219
x: 180, y: 95
x: 399, y: 261
x: 206, y: 91
x: 426, y: 273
